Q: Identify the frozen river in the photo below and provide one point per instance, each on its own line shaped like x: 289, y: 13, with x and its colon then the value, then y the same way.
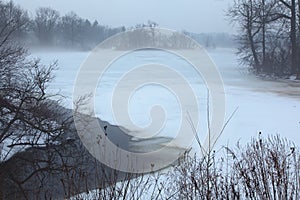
x: 269, y: 107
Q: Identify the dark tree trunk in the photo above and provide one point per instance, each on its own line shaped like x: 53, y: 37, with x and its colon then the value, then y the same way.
x: 298, y: 70
x: 264, y: 33
x: 251, y: 39
x: 253, y: 50
x: 293, y: 34
x: 294, y: 37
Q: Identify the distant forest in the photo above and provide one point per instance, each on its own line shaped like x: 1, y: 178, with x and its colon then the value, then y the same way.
x: 47, y: 28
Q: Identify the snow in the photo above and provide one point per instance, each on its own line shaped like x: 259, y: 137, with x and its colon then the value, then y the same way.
x: 264, y: 106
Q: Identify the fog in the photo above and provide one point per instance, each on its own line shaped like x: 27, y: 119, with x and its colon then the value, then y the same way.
x: 101, y: 100
x: 192, y: 15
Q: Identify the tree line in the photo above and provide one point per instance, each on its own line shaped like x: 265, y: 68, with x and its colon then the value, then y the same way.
x: 269, y: 38
x: 49, y: 28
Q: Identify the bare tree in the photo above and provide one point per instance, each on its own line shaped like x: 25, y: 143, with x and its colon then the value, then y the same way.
x: 265, y: 25
x: 29, y: 117
x: 291, y: 6
x: 71, y: 28
x: 245, y: 13
x: 13, y: 21
x: 45, y: 24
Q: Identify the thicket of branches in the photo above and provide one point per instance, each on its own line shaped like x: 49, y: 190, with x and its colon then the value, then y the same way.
x: 39, y: 157
x: 269, y: 35
x: 28, y: 115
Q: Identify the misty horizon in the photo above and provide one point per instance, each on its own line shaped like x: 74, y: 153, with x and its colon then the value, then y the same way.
x: 197, y: 17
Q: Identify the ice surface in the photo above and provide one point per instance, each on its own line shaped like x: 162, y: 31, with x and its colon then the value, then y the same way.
x: 262, y: 105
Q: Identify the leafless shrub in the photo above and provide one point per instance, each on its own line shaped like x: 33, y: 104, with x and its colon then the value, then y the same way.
x: 268, y: 169
x: 262, y: 169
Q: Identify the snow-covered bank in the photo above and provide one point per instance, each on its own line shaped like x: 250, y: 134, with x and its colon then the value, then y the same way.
x: 272, y: 107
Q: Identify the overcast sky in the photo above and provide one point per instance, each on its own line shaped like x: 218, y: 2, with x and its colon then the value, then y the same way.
x: 192, y: 15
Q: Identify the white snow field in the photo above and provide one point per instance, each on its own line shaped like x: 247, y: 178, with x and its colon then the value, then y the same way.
x: 266, y: 106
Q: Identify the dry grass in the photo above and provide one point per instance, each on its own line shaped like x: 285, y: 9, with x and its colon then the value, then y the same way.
x: 262, y: 169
